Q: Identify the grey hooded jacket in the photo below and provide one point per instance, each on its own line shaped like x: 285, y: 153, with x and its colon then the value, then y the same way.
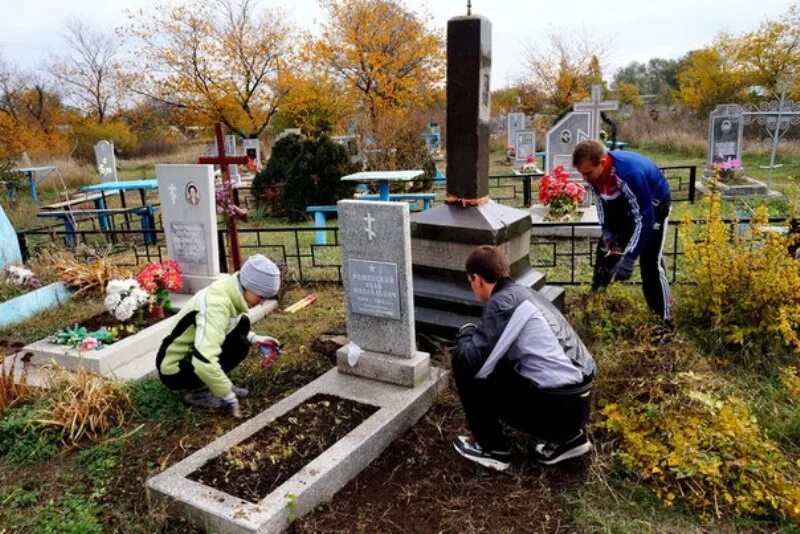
x: 547, y: 351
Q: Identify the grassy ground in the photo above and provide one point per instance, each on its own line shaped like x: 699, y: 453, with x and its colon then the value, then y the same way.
x: 418, y: 484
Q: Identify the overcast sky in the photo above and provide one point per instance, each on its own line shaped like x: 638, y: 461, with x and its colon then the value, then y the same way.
x: 638, y: 29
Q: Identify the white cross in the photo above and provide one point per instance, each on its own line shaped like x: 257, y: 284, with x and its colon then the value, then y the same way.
x: 595, y: 106
x: 172, y: 193
x: 369, y: 220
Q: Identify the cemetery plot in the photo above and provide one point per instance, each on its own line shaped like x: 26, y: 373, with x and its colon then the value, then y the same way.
x: 257, y: 466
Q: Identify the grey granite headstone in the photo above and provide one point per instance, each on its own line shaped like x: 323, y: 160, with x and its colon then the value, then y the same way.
x: 514, y: 123
x: 106, y: 161
x: 562, y: 138
x: 376, y: 259
x: 189, y: 217
x: 725, y: 128
x: 9, y: 244
x: 525, y: 143
x: 469, y: 52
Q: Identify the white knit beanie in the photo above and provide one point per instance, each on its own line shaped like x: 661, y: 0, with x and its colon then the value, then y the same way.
x: 261, y: 276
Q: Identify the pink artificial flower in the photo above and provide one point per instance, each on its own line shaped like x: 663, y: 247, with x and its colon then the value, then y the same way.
x: 88, y: 344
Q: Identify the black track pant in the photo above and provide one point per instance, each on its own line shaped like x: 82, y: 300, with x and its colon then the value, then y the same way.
x: 505, y: 395
x: 655, y: 284
x: 234, y: 349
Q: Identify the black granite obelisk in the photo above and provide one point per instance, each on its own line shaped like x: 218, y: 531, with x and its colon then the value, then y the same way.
x: 442, y: 238
x: 469, y: 63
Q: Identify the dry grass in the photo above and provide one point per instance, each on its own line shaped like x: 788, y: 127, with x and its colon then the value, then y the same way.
x: 678, y: 132
x: 88, y: 277
x: 12, y: 391
x: 83, y: 405
x: 186, y: 153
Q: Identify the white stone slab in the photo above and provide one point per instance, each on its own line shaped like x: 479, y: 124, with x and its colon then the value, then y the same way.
x: 588, y: 215
x: 131, y: 358
x: 105, y: 360
x: 316, y: 483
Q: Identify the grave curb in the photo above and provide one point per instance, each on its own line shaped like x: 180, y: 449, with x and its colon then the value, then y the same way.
x: 320, y: 479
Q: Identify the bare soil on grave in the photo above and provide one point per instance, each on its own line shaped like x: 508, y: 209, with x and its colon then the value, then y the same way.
x: 267, y: 459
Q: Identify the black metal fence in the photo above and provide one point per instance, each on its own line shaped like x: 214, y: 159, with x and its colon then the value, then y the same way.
x: 563, y: 251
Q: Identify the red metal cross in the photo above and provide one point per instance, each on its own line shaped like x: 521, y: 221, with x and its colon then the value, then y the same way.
x: 223, y: 161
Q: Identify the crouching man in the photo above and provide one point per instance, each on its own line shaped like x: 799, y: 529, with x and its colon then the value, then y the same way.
x: 212, y: 336
x: 524, y: 365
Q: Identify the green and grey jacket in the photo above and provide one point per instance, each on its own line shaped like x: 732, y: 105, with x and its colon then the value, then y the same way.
x: 219, y: 308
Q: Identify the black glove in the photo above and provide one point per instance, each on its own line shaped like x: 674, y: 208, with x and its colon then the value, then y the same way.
x: 624, y: 269
x: 467, y: 330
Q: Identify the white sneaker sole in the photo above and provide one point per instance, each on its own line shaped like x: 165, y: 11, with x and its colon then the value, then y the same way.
x: 572, y: 453
x: 497, y: 465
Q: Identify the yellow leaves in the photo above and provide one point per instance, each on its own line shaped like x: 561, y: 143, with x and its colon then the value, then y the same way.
x: 790, y: 379
x: 746, y: 286
x: 697, y: 446
x: 217, y: 59
x: 383, y: 52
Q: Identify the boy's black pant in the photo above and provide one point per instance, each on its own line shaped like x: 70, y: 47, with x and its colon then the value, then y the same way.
x: 234, y: 349
x: 655, y: 284
x: 505, y: 395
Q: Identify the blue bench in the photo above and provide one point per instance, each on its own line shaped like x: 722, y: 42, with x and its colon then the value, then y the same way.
x: 426, y: 198
x: 70, y: 218
x: 321, y: 219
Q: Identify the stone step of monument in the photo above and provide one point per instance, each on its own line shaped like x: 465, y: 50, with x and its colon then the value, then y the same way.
x: 554, y: 294
x: 440, y: 321
x: 460, y: 293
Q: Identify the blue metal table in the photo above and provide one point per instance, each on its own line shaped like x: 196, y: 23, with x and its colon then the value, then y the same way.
x: 383, y: 178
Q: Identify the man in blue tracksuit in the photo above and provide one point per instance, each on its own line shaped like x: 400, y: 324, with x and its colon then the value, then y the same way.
x: 633, y: 203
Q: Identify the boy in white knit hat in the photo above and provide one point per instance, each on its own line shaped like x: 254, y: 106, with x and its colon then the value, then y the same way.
x: 211, y: 336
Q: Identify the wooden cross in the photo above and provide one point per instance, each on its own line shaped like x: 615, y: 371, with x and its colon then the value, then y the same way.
x: 223, y: 161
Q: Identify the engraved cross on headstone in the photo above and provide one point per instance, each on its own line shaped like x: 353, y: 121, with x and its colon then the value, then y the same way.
x: 595, y: 107
x: 369, y: 219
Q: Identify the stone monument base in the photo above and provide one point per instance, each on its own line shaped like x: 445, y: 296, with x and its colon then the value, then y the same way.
x: 215, y: 511
x: 192, y: 283
x: 408, y: 372
x: 441, y: 240
x: 751, y: 187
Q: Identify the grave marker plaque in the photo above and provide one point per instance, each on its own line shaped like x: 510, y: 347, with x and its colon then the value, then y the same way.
x: 525, y: 142
x: 514, y: 123
x: 190, y: 221
x: 106, y: 161
x: 725, y: 128
x: 376, y: 258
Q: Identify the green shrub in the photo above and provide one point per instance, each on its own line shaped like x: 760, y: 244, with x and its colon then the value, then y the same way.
x: 310, y: 172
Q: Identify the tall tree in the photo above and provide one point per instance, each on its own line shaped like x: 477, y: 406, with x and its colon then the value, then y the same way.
x: 712, y: 76
x: 88, y: 72
x: 384, y: 53
x: 217, y: 60
x: 564, y: 66
x: 772, y: 52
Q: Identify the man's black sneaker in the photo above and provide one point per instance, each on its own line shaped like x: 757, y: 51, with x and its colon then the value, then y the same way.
x: 470, y: 449
x: 552, y: 453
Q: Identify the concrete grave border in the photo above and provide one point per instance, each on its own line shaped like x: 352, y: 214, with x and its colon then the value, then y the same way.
x: 320, y: 479
x: 107, y: 361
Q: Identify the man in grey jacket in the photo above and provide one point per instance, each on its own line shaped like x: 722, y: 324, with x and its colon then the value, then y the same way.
x: 524, y: 365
